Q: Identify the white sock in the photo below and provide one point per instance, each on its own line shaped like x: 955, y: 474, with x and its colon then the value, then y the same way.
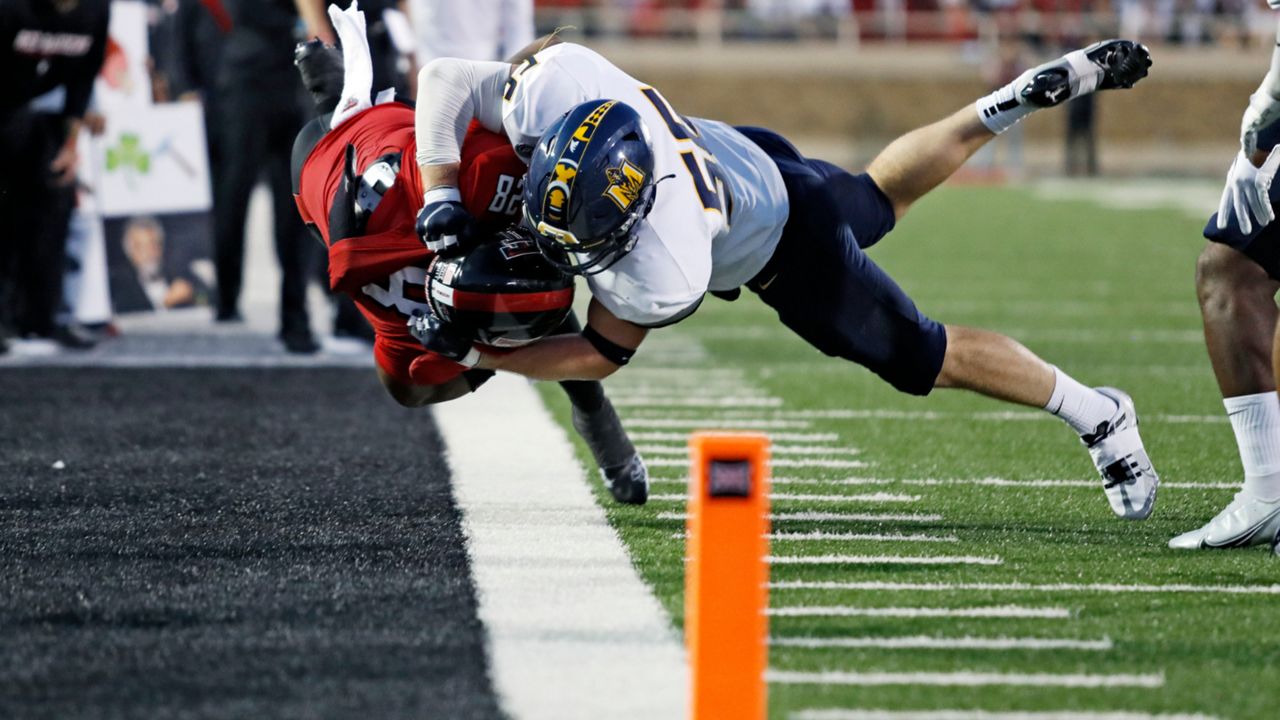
x: 1083, y: 408
x: 1256, y: 422
x: 1001, y: 110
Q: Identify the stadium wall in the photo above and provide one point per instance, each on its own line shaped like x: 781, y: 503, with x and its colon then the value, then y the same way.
x: 849, y: 103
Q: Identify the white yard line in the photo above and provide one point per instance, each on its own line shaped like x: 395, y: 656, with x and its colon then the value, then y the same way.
x: 994, y: 611
x: 715, y: 423
x: 876, y: 586
x: 932, y: 415
x: 965, y: 679
x: 883, y: 560
x: 828, y: 517
x: 819, y: 536
x: 987, y: 482
x: 697, y: 402
x: 774, y: 462
x: 776, y: 448
x: 563, y: 606
x: 871, y: 714
x: 867, y: 498
x: 925, y: 642
x: 776, y: 437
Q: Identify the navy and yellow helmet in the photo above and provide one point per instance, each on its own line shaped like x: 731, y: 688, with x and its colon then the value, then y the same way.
x: 590, y: 183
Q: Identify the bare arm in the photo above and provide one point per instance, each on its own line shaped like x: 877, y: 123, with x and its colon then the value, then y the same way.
x: 316, y: 21
x: 922, y: 159
x: 570, y: 357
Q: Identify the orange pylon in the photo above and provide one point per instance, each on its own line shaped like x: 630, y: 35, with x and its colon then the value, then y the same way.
x: 726, y: 588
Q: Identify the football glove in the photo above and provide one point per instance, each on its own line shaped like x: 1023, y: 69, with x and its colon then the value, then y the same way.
x: 443, y: 222
x: 1262, y: 111
x: 1248, y: 189
x: 345, y: 217
x: 443, y: 340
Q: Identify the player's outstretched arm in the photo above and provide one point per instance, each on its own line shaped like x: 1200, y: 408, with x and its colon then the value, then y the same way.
x: 605, y: 345
x: 919, y: 161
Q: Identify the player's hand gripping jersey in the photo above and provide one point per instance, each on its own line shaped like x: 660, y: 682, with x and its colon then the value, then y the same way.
x: 715, y: 222
x: 384, y: 270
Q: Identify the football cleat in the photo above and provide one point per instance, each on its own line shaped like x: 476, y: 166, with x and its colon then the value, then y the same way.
x: 1102, y: 66
x: 1116, y: 448
x: 1246, y: 521
x: 621, y: 467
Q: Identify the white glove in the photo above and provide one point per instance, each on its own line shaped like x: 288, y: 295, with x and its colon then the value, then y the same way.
x: 1262, y: 111
x: 1248, y: 189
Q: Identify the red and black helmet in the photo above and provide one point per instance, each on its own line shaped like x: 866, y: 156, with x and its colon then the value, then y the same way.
x: 503, y: 291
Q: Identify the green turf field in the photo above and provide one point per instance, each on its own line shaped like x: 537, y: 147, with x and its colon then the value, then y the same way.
x: 1105, y: 294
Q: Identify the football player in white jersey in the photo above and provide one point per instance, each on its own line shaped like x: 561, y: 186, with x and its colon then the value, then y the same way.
x: 657, y: 209
x: 1237, y: 278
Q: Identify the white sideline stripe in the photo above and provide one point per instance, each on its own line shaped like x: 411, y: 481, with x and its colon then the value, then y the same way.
x: 857, y: 714
x: 882, y: 560
x: 924, y: 642
x: 988, y: 482
x: 775, y: 462
x: 776, y: 437
x: 871, y: 498
x: 965, y: 679
x: 775, y: 449
x: 554, y: 627
x: 697, y: 402
x: 827, y: 517
x: 995, y: 611
x: 716, y: 423
x: 1027, y: 587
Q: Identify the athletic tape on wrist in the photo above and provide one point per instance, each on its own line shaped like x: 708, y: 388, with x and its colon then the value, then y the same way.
x: 611, y: 351
x: 441, y: 193
x: 1001, y: 110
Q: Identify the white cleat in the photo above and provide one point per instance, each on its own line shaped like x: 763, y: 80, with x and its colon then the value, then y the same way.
x: 1246, y: 521
x: 1116, y: 448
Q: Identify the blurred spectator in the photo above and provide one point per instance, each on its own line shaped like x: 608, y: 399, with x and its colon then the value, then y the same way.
x: 261, y: 106
x: 51, y: 51
x: 471, y: 29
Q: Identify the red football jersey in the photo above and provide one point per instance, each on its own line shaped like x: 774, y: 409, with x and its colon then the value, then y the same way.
x: 384, y: 270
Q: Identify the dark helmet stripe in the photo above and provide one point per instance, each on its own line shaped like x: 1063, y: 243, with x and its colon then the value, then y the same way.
x: 513, y: 302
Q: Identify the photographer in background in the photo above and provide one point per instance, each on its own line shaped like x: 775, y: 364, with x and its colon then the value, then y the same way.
x: 51, y: 51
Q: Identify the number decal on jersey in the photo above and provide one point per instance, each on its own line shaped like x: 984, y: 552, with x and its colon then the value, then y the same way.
x: 708, y: 177
x: 509, y: 89
x: 405, y: 291
x: 506, y: 197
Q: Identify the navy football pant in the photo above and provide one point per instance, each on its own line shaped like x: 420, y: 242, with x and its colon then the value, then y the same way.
x: 826, y: 289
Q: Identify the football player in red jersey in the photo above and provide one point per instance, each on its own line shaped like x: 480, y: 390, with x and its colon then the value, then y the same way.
x: 358, y: 187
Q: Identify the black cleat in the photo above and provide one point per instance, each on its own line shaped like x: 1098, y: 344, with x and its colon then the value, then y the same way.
x: 1108, y: 65
x: 621, y: 468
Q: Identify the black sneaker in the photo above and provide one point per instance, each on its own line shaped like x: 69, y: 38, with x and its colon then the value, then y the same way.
x: 74, y: 337
x: 300, y: 342
x: 621, y: 467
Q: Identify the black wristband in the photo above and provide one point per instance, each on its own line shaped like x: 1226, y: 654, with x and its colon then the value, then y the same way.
x: 611, y: 351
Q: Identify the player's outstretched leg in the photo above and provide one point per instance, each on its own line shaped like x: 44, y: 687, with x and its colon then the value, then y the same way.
x: 999, y: 367
x: 1237, y: 300
x: 922, y: 159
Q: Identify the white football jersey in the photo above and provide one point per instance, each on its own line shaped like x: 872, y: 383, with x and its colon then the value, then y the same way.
x: 716, y: 221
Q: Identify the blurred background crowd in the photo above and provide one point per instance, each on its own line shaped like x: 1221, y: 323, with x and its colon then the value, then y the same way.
x: 140, y: 132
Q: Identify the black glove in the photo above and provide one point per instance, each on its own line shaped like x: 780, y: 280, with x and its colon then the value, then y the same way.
x: 443, y: 222
x: 443, y: 339
x: 345, y: 218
